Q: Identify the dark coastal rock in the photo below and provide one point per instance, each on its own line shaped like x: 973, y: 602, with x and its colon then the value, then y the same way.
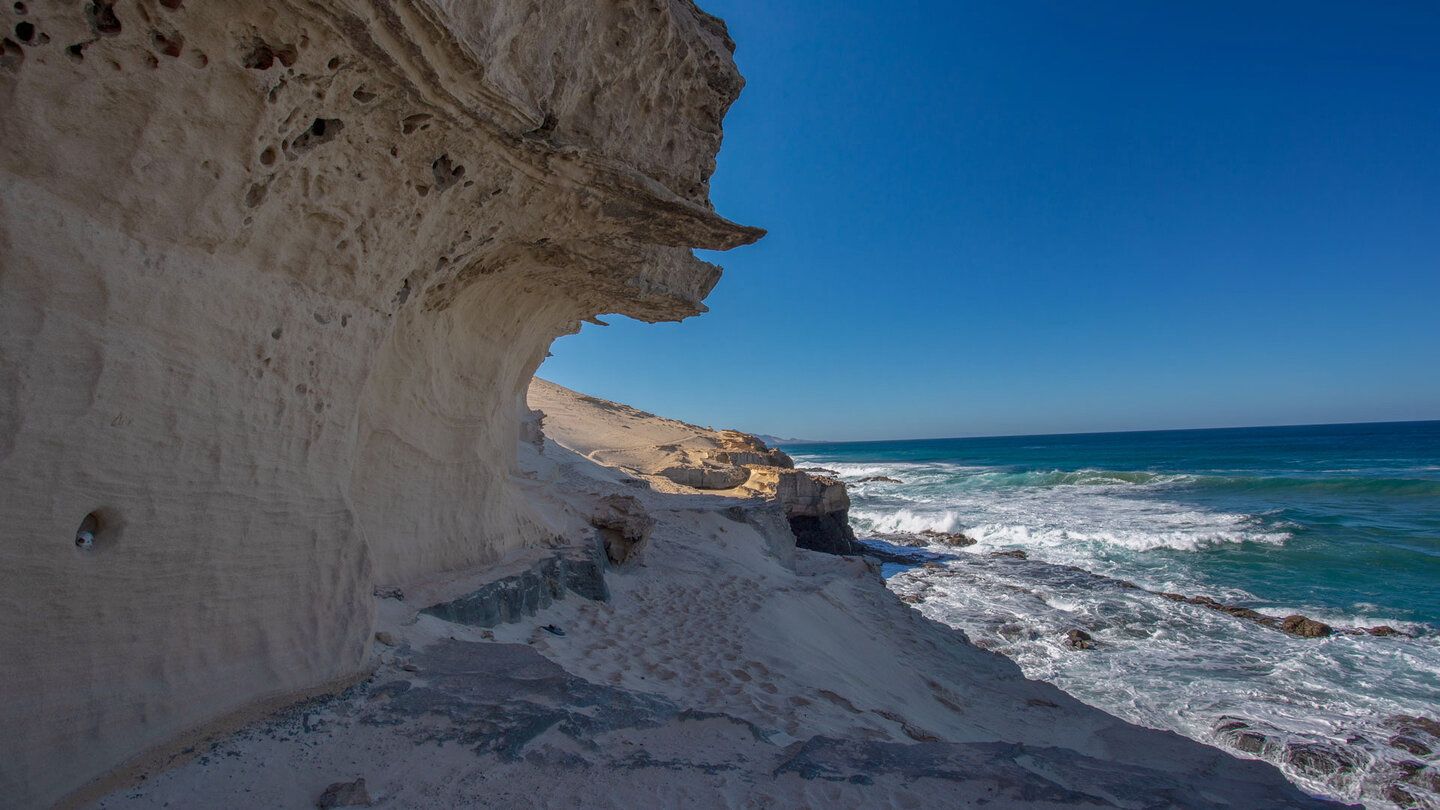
x: 1239, y: 735
x: 498, y: 698
x: 820, y: 471
x: 1027, y: 775
x: 1016, y: 553
x: 1385, y: 630
x: 1214, y: 604
x: 829, y: 533
x: 1297, y: 625
x: 580, y: 570
x: 818, y: 508
x: 1079, y: 640
x: 1423, y: 777
x: 879, y: 479
x: 1410, y: 744
x: 344, y: 794
x: 1321, y: 761
x: 1401, y: 796
x: 956, y: 539
x: 1413, y: 726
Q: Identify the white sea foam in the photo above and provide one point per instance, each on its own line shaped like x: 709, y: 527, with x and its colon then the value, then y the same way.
x: 1070, y: 523
x: 1159, y: 663
x: 1183, y: 666
x: 909, y: 521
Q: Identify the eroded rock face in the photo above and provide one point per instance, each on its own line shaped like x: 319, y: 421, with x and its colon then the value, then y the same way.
x: 273, y: 278
x: 819, y: 511
x: 624, y: 526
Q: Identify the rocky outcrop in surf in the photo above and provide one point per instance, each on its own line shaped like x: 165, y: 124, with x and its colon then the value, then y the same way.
x: 274, y: 277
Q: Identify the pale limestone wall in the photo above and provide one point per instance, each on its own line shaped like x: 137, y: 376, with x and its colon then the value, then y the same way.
x: 282, y: 360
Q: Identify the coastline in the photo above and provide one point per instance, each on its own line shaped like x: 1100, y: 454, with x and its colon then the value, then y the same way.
x: 726, y: 669
x: 280, y: 528
x: 1194, y: 579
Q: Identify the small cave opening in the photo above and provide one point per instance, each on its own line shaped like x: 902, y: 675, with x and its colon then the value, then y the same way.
x: 101, y: 16
x: 169, y: 45
x: 99, y: 531
x: 321, y: 130
x: 89, y: 530
x: 446, y: 173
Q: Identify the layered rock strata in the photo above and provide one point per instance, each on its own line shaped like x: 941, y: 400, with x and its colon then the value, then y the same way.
x: 666, y: 451
x: 274, y: 276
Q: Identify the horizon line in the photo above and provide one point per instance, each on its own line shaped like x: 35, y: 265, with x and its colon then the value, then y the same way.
x: 793, y: 443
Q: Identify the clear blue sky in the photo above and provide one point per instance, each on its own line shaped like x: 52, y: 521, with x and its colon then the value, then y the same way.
x: 1040, y: 217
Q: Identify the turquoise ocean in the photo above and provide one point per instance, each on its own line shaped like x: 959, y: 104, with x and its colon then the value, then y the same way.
x: 1340, y: 523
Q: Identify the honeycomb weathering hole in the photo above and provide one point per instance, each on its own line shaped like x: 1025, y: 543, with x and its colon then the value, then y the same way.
x: 99, y: 531
x: 87, y: 533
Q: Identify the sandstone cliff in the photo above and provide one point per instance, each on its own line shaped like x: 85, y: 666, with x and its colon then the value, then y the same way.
x: 665, y: 452
x: 274, y: 276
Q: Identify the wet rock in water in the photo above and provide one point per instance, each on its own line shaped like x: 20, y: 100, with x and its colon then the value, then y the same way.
x: 1297, y: 625
x: 1320, y: 761
x: 879, y: 479
x: 1413, y: 726
x: 1239, y: 735
x: 1385, y: 630
x: 1400, y: 796
x: 344, y: 794
x: 1173, y: 597
x: 1410, y: 744
x: 956, y: 539
x: 1079, y: 640
x: 1423, y: 777
x: 1016, y: 553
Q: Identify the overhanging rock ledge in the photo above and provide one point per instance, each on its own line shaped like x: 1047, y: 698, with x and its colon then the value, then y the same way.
x: 274, y: 276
